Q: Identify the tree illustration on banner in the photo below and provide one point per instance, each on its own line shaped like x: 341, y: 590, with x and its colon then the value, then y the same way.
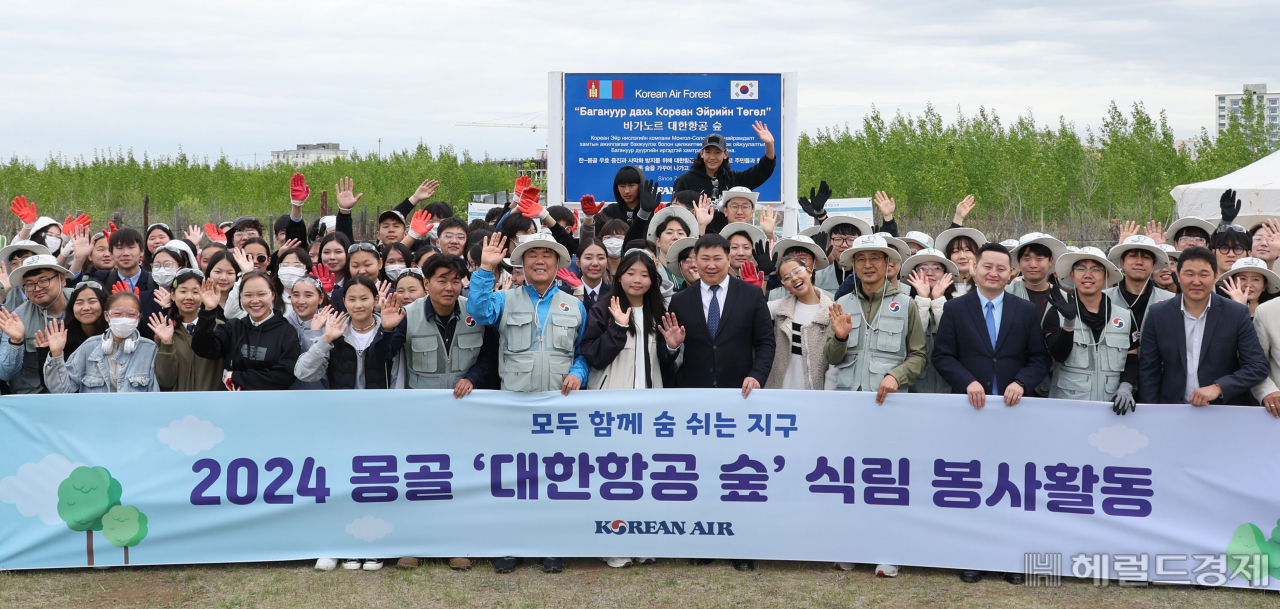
x: 124, y: 526
x: 84, y: 498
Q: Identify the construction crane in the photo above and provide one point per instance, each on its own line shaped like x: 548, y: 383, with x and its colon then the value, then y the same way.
x: 507, y: 125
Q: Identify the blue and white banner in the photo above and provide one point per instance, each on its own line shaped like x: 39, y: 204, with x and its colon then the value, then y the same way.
x: 1169, y: 493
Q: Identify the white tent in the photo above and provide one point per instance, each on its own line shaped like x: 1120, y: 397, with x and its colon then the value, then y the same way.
x: 1256, y: 185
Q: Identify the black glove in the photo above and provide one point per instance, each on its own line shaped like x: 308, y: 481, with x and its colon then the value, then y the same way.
x: 650, y: 197
x: 823, y: 241
x: 764, y: 261
x: 1230, y: 206
x: 816, y: 204
x: 1066, y: 305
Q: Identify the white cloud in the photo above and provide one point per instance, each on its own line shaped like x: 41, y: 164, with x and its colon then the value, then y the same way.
x: 1119, y: 440
x: 368, y: 528
x: 191, y: 435
x: 34, y: 489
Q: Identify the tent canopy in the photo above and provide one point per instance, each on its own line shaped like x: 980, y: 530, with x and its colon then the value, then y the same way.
x: 1257, y: 186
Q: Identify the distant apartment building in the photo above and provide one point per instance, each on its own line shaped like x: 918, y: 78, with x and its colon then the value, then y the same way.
x: 1229, y: 104
x: 309, y: 153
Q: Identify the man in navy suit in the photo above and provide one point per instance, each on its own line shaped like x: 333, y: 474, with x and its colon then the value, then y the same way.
x: 1199, y: 348
x: 721, y: 324
x: 988, y: 344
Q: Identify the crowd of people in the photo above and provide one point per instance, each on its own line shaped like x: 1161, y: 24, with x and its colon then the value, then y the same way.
x: 636, y: 294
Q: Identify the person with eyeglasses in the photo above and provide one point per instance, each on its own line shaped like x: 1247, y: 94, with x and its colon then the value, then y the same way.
x: 242, y: 229
x: 932, y: 279
x: 118, y: 361
x: 800, y: 322
x: 452, y: 236
x: 1189, y: 231
x: 801, y: 248
x: 259, y: 350
x: 1089, y: 335
x: 839, y: 232
x: 42, y: 279
x: 710, y: 173
x: 13, y: 255
x: 178, y: 368
x: 258, y: 253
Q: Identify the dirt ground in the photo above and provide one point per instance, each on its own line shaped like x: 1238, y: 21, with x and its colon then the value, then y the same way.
x: 584, y: 583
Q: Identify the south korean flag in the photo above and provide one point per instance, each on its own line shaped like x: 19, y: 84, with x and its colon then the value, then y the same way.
x: 744, y: 89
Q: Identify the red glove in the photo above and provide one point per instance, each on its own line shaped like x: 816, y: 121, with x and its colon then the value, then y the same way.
x: 421, y: 224
x: 298, y: 189
x: 74, y: 224
x: 568, y: 277
x: 574, y: 230
x: 529, y: 206
x: 659, y: 208
x: 589, y: 205
x: 121, y: 286
x: 230, y: 385
x: 215, y: 234
x: 522, y: 183
x: 321, y: 272
x: 25, y: 211
x: 751, y: 275
x: 111, y: 228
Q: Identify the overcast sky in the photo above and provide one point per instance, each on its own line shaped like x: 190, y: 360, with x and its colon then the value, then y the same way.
x: 245, y: 77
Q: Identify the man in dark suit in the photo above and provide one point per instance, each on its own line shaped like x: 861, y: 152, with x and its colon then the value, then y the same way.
x: 721, y: 324
x: 988, y: 344
x: 126, y: 255
x: 1199, y: 348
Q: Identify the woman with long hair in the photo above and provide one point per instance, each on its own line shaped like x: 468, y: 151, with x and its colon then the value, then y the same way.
x: 621, y: 341
x: 960, y: 246
x: 259, y: 350
x: 117, y: 361
x: 341, y: 356
x: 222, y: 273
x: 86, y: 306
x: 932, y: 279
x: 800, y: 322
x: 178, y: 368
x: 395, y: 259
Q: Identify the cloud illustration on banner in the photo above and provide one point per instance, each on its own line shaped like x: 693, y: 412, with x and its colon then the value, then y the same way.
x: 1119, y: 440
x: 191, y: 435
x: 34, y: 489
x: 368, y: 528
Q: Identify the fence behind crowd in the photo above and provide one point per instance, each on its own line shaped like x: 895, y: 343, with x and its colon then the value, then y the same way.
x: 1169, y: 493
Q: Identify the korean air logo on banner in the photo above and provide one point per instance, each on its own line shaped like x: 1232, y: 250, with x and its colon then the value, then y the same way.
x: 605, y: 89
x: 663, y: 527
x: 744, y: 89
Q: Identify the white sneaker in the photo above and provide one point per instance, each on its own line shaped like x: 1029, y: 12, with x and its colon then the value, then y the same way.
x: 351, y: 564
x: 326, y: 564
x: 618, y: 562
x: 886, y: 570
x: 646, y: 560
x: 844, y: 566
x: 371, y: 564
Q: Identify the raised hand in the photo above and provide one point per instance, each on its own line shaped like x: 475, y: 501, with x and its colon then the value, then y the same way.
x: 672, y: 331
x: 1155, y: 230
x: 816, y: 203
x: 529, y: 206
x: 522, y: 183
x: 56, y: 336
x: 762, y: 132
x: 886, y: 204
x: 194, y: 234
x: 242, y: 259
x: 507, y: 280
x: 1128, y: 229
x: 1066, y: 305
x: 321, y: 272
x: 40, y: 340
x: 1273, y: 233
x: 650, y: 196
x: 74, y: 222
x: 568, y: 277
x: 421, y: 224
x: 751, y: 275
x: 162, y: 327
x: 424, y: 191
x: 346, y: 197
x: 704, y: 213
x: 963, y: 208
x: 111, y: 228
x: 23, y: 210
x: 762, y: 253
x: 841, y: 322
x: 494, y: 251
x: 334, y: 327
x: 162, y: 297
x: 321, y: 316
x: 768, y: 221
x: 920, y: 283
x: 1229, y: 205
x: 589, y: 205
x: 210, y: 297
x: 622, y: 318
x: 940, y: 288
x: 121, y: 286
x: 1235, y: 290
x: 290, y: 244
x: 392, y: 314
x: 214, y: 233
x: 384, y: 288
x: 83, y: 244
x: 12, y: 326
x: 298, y: 189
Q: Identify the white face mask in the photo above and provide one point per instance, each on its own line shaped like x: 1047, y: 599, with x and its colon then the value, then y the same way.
x: 54, y: 243
x: 123, y: 327
x: 164, y: 277
x: 290, y: 275
x: 613, y: 247
x: 394, y: 270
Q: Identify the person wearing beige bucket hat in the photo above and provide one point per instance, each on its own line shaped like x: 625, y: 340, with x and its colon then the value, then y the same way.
x: 1249, y: 282
x: 1139, y: 258
x: 932, y: 279
x: 42, y: 278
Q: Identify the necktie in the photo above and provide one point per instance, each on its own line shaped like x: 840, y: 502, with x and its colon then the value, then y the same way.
x: 590, y: 299
x: 713, y: 313
x: 993, y: 332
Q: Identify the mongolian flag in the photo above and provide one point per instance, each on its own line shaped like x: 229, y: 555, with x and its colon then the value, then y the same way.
x: 604, y: 89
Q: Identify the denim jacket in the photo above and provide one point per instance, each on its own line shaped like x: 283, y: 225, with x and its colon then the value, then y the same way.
x: 88, y: 372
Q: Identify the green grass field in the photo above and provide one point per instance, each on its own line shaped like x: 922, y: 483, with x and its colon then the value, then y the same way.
x: 585, y: 583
